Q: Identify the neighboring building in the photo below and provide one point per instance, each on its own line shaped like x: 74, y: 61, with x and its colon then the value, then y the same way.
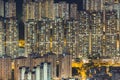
x: 72, y: 37
x: 5, y: 68
x: 40, y: 72
x: 30, y: 37
x: 65, y: 68
x: 10, y: 9
x: 51, y: 36
x: 19, y: 62
x: 25, y: 66
x: 61, y: 10
x: 47, y: 9
x: 2, y: 37
x: 117, y: 8
x: 56, y: 10
x: 94, y: 31
x: 51, y: 58
x: 73, y: 11
x: 50, y: 9
x: 12, y: 37
x: 45, y: 69
x: 110, y: 33
x: 43, y: 36
x: 93, y: 5
x: 99, y: 30
x: 37, y: 10
x: 1, y: 8
x: 49, y: 32
x: 28, y: 10
x: 98, y: 5
x: 11, y: 29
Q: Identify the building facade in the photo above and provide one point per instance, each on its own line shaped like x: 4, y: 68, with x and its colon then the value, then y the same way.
x: 2, y: 36
x: 10, y: 9
x: 24, y: 66
x: 30, y: 37
x: 11, y: 29
x: 73, y: 11
x: 5, y: 68
x: 61, y: 10
x: 95, y: 31
x: 65, y: 68
x: 1, y: 8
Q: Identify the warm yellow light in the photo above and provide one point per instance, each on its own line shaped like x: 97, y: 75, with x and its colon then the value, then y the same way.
x: 104, y: 28
x: 83, y: 78
x: 65, y: 42
x: 83, y: 74
x: 21, y: 43
x: 98, y: 63
x: 118, y: 44
x: 81, y: 70
x: 13, y: 66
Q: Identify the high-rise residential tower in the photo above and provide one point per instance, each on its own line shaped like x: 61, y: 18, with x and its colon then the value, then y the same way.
x: 38, y: 9
x: 2, y: 37
x: 2, y: 29
x: 98, y: 5
x: 35, y: 13
x: 1, y: 8
x: 47, y: 9
x: 103, y: 26
x: 31, y: 13
x: 61, y: 10
x: 28, y: 10
x: 73, y: 11
x: 55, y: 26
x: 30, y: 37
x: 10, y: 9
x: 11, y: 29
